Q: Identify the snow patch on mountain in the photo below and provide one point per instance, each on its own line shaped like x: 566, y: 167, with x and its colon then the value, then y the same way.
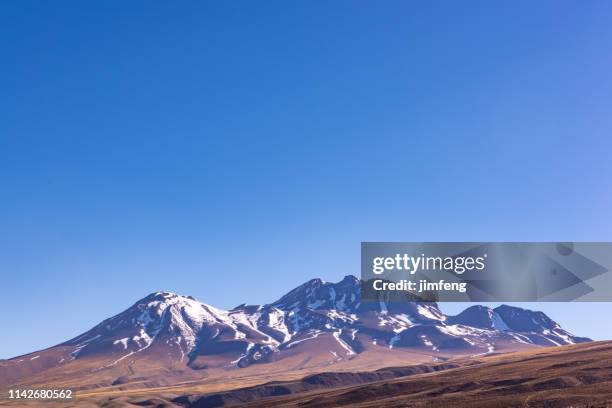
x: 498, y: 322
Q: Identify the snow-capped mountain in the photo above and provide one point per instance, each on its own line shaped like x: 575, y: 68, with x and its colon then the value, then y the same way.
x: 317, y: 311
x: 318, y: 322
x: 179, y: 323
x: 343, y: 296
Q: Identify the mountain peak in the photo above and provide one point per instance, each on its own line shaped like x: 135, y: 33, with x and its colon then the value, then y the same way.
x: 317, y: 294
x: 163, y: 295
x: 480, y: 316
x: 526, y: 320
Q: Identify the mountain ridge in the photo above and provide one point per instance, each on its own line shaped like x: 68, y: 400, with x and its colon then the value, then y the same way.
x: 315, y: 325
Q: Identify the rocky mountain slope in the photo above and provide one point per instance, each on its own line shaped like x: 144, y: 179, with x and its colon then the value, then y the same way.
x: 317, y: 324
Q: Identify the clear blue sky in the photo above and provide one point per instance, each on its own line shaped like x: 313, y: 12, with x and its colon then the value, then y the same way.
x: 233, y: 150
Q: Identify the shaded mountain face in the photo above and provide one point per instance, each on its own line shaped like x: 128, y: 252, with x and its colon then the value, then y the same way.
x: 321, y: 322
x: 343, y: 296
x: 530, y: 326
